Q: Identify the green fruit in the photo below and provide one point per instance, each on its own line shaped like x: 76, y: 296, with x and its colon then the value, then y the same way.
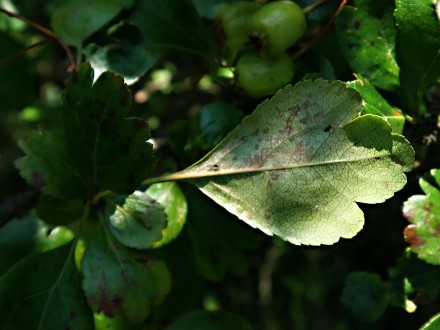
x: 234, y: 18
x: 276, y: 26
x: 263, y: 76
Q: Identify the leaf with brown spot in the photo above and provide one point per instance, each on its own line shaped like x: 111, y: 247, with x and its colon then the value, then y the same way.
x: 120, y: 280
x: 319, y: 174
x: 423, y: 212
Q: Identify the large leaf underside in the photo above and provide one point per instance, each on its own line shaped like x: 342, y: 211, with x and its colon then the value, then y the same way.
x: 297, y: 166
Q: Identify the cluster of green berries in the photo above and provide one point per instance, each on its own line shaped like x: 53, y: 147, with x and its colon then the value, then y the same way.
x: 262, y: 33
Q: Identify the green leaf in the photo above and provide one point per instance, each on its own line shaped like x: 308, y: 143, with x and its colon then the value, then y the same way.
x: 119, y: 280
x: 173, y: 24
x: 46, y: 166
x: 139, y: 223
x: 366, y: 296
x: 107, y: 149
x: 220, y: 245
x: 130, y: 61
x: 77, y: 19
x: 368, y: 43
x: 209, y: 8
x: 375, y: 104
x: 169, y: 195
x: 217, y: 119
x: 418, y: 42
x: 43, y: 291
x: 432, y: 324
x: 423, y: 211
x: 203, y: 320
x: 298, y: 164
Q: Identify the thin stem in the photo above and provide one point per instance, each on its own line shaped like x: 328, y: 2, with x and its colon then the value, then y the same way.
x: 313, y: 6
x: 321, y: 32
x: 45, y: 31
x: 100, y: 195
x: 21, y: 52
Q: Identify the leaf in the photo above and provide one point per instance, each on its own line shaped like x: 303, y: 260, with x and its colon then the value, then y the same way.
x: 96, y: 148
x: 202, y: 320
x: 119, y: 280
x: 139, y: 223
x: 366, y: 296
x: 220, y: 245
x: 209, y: 8
x: 78, y: 19
x: 368, y: 43
x: 423, y: 211
x: 107, y: 149
x: 130, y: 61
x: 169, y: 195
x: 43, y: 292
x: 432, y: 324
x: 375, y: 104
x: 172, y: 24
x: 217, y: 119
x: 298, y: 164
x: 418, y: 41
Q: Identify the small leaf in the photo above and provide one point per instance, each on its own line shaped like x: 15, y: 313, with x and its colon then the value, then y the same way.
x: 423, y: 211
x: 169, y: 195
x: 172, y: 24
x: 217, y: 119
x: 139, y: 223
x: 130, y: 61
x: 375, y: 104
x: 368, y: 43
x: 43, y: 291
x: 366, y: 296
x: 119, y: 280
x: 298, y: 164
x: 78, y: 19
x: 201, y: 320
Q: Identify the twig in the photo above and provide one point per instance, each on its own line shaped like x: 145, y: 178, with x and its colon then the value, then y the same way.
x: 21, y: 52
x: 45, y: 31
x: 313, y: 6
x: 17, y: 206
x: 321, y: 32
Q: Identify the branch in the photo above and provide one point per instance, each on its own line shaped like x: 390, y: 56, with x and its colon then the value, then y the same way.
x: 22, y: 51
x: 321, y: 32
x: 45, y: 31
x: 17, y: 206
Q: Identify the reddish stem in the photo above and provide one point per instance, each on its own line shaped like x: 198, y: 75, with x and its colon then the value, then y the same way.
x: 321, y: 32
x: 21, y: 52
x: 45, y: 31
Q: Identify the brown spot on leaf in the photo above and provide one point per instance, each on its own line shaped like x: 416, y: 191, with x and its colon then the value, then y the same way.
x: 357, y: 25
x: 109, y: 129
x: 139, y: 123
x: 411, y: 237
x: 37, y: 181
x: 72, y: 315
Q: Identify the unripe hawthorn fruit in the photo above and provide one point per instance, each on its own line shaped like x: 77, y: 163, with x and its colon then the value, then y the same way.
x: 263, y: 76
x: 234, y: 19
x: 276, y: 26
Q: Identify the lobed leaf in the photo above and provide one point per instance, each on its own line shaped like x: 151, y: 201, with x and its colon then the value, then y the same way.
x: 139, y: 223
x: 119, y: 280
x: 423, y: 211
x: 375, y: 104
x: 172, y: 199
x: 43, y: 291
x: 298, y: 164
x: 368, y: 43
